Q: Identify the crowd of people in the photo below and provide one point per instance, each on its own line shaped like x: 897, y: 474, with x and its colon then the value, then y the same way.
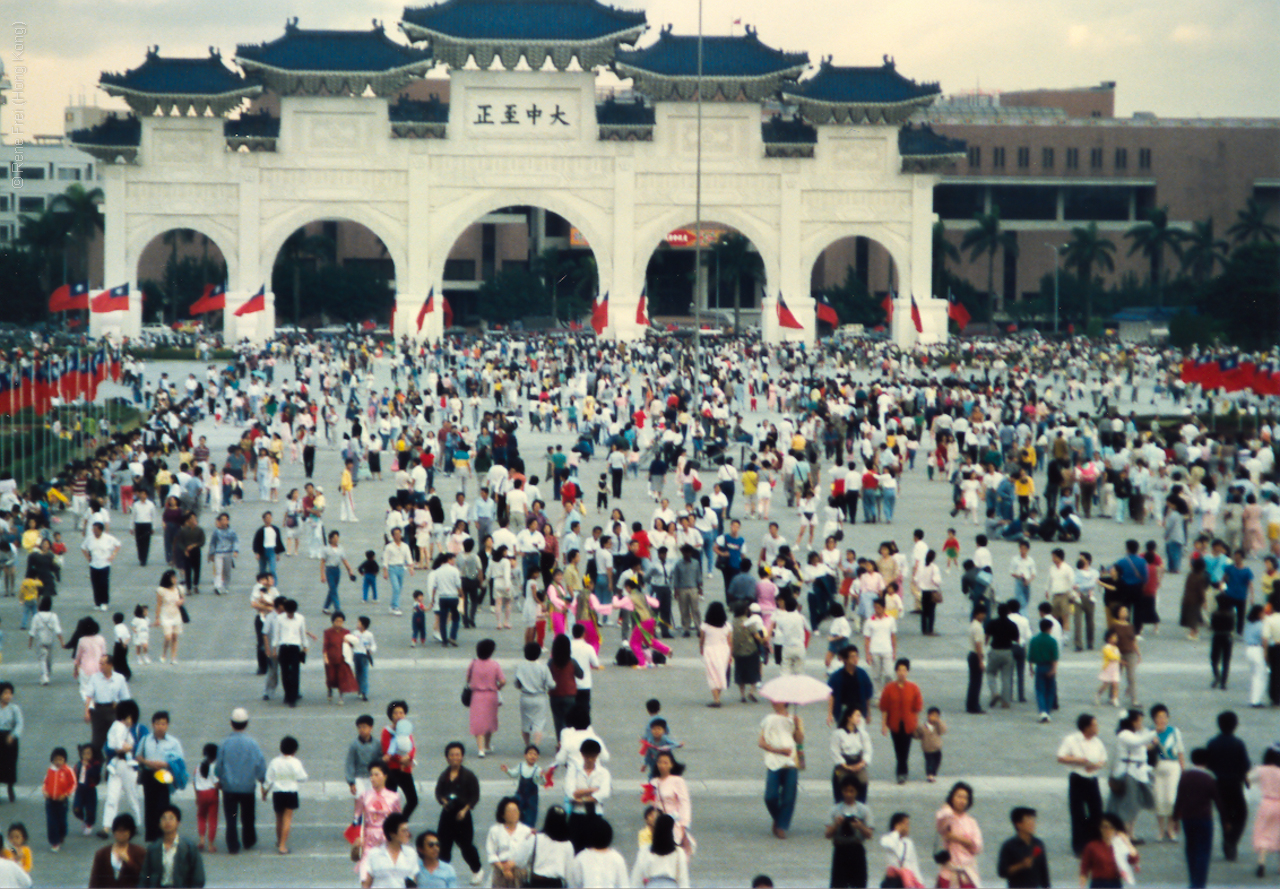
x: 728, y: 443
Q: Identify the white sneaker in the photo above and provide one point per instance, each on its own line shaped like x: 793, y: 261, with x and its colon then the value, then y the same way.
x: 478, y: 877
x: 1044, y: 717
x: 397, y: 612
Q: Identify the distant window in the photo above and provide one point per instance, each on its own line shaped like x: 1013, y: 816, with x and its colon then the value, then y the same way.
x: 4, y: 203
x: 975, y: 157
x: 6, y: 233
x: 459, y: 269
x: 69, y: 174
x: 32, y: 172
x: 1046, y: 158
x: 31, y: 205
x: 1144, y: 158
x: 1095, y: 158
x: 1122, y: 158
x: 1095, y: 114
x: 1024, y: 158
x: 516, y: 265
x: 1073, y: 158
x: 997, y: 158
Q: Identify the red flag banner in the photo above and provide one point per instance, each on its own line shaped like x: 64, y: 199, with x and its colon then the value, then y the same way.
x: 827, y: 313
x: 257, y: 303
x: 785, y: 318
x: 887, y: 305
x: 915, y: 315
x: 642, y: 309
x: 114, y: 300
x: 957, y: 312
x: 600, y: 314
x: 426, y: 308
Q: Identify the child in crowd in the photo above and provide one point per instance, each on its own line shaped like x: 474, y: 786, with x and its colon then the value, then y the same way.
x: 528, y: 777
x: 206, y: 787
x: 893, y: 600
x: 364, y: 657
x: 283, y: 775
x: 658, y: 741
x: 15, y: 846
x: 84, y: 805
x: 951, y: 549
x: 369, y: 571
x: 930, y: 731
x: 602, y: 492
x: 29, y: 598
x: 140, y: 625
x: 59, y: 787
x: 644, y: 838
x: 837, y: 634
x: 418, y: 622
x: 120, y: 653
x: 362, y: 752
x: 1109, y: 678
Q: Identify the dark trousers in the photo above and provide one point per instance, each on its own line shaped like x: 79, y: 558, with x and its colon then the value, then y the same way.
x: 851, y: 506
x: 615, y: 476
x: 1220, y: 658
x: 1273, y: 660
x: 928, y: 611
x: 449, y: 618
x: 100, y: 719
x: 902, y: 752
x: 237, y: 806
x: 472, y: 596
x: 849, y: 866
x: 100, y: 580
x: 1084, y: 801
x: 308, y: 460
x: 583, y: 702
x: 560, y: 707
x: 191, y: 568
x: 1234, y: 813
x: 290, y: 671
x: 1020, y: 671
x: 142, y: 537
x: 398, y: 779
x: 462, y: 833
x: 932, y: 762
x: 663, y: 595
x: 55, y: 820
x: 1198, y: 833
x: 155, y: 796
x: 973, y: 699
x: 263, y: 661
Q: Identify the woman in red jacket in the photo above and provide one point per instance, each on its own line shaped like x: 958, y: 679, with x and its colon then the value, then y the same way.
x: 900, y: 706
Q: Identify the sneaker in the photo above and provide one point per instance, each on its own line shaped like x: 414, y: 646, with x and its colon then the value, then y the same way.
x: 88, y: 831
x: 397, y: 612
x: 1044, y: 717
x: 478, y: 877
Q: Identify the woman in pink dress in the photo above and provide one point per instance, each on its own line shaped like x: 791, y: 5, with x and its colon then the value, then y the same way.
x: 90, y: 648
x: 960, y: 833
x: 671, y: 795
x: 372, y: 808
x: 1266, y: 823
x: 714, y: 646
x: 1254, y: 539
x: 767, y: 597
x: 560, y: 601
x: 587, y: 611
x: 485, y: 679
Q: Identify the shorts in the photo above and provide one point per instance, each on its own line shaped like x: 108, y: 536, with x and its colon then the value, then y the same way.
x: 835, y: 646
x: 283, y: 802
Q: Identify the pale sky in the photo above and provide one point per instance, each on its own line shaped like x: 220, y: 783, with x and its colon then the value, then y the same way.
x: 1177, y: 58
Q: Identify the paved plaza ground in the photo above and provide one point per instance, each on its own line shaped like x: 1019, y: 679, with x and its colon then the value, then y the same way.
x: 1005, y: 755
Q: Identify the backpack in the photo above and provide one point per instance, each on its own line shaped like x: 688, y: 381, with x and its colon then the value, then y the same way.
x: 744, y: 641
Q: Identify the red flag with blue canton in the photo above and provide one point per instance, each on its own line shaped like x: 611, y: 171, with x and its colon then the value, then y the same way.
x: 69, y: 297
x: 785, y: 318
x: 915, y: 315
x: 257, y: 303
x: 957, y: 312
x: 827, y: 313
x: 114, y: 300
x: 600, y: 314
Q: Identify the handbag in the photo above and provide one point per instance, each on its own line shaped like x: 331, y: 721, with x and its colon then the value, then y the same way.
x: 1117, y: 786
x: 466, y: 696
x: 186, y: 617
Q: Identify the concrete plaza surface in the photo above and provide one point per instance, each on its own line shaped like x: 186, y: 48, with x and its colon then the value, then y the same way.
x: 1005, y: 754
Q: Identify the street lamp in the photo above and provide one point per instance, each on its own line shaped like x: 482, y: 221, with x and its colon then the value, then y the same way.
x: 1057, y: 254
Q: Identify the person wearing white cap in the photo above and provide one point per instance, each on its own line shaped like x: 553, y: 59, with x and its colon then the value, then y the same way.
x: 240, y: 768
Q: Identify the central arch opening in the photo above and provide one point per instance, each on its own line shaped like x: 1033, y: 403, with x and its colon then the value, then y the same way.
x: 521, y: 266
x: 174, y: 270
x: 734, y: 276
x: 856, y: 274
x: 333, y: 271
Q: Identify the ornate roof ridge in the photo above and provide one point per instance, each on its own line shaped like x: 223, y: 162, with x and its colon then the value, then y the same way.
x: 249, y: 54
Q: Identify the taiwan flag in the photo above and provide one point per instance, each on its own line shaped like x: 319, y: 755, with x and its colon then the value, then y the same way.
x: 957, y: 312
x: 915, y: 315
x: 786, y: 320
x: 214, y: 299
x: 114, y: 300
x: 642, y: 308
x: 447, y: 309
x: 257, y: 303
x: 887, y: 305
x: 600, y: 314
x: 1237, y: 373
x: 1264, y: 379
x: 827, y: 313
x: 426, y: 308
x: 69, y: 297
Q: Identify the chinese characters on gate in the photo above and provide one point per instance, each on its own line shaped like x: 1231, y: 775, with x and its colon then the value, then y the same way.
x: 514, y: 114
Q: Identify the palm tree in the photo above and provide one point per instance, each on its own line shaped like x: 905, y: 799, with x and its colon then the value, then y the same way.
x: 45, y: 239
x: 943, y: 250
x: 80, y: 208
x: 1251, y: 224
x: 1152, y: 237
x: 1201, y: 251
x: 1085, y: 250
x: 734, y: 259
x: 298, y: 248
x: 173, y: 238
x: 554, y: 268
x: 987, y: 237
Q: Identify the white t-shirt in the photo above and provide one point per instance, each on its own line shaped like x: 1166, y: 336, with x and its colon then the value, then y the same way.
x: 788, y: 630
x: 880, y: 632
x: 779, y: 732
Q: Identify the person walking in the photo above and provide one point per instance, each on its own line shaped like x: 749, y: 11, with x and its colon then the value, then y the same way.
x: 900, y: 706
x: 100, y: 550
x: 458, y: 793
x: 144, y: 514
x: 268, y: 545
x: 1002, y: 636
x: 1086, y: 755
x: 959, y: 832
x: 1024, y: 861
x: 333, y: 560
x: 1266, y: 823
x: 484, y: 680
x: 1196, y: 797
x: 397, y: 561
x: 781, y: 739
x: 1229, y: 762
x: 1043, y: 656
x: 172, y: 860
x: 240, y: 768
x: 976, y: 659
x: 224, y: 546
x: 1170, y: 762
x: 156, y: 755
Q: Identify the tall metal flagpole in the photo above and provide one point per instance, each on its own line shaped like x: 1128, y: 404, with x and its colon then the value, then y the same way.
x: 700, y: 275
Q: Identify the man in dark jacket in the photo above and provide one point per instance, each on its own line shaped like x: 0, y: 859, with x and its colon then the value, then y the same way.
x: 1193, y: 805
x: 188, y: 863
x: 1023, y: 863
x: 268, y: 543
x: 1229, y: 762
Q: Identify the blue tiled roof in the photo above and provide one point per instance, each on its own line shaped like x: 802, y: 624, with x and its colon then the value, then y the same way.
x: 261, y: 125
x: 206, y: 76
x: 611, y: 112
x: 922, y: 141
x: 676, y: 55
x: 878, y: 85
x: 431, y: 110
x: 788, y: 131
x: 306, y: 50
x: 112, y: 130
x: 524, y: 20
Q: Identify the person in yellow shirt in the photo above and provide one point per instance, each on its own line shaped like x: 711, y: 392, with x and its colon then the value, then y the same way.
x: 346, y: 492
x: 1024, y: 486
x: 750, y: 486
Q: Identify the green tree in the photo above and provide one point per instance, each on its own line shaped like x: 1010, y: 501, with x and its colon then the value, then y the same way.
x: 1201, y: 251
x: 1251, y: 224
x: 512, y: 294
x: 44, y: 239
x: 733, y: 258
x: 80, y: 207
x: 1085, y: 250
x: 987, y: 237
x: 943, y: 251
x: 300, y: 250
x: 1152, y: 238
x: 556, y: 268
x: 586, y: 284
x: 174, y: 238
x: 852, y: 301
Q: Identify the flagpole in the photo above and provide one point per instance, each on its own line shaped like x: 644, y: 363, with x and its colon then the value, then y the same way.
x: 699, y: 273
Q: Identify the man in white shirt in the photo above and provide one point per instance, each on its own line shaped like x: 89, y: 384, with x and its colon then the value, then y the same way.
x: 919, y: 550
x: 585, y: 657
x: 769, y: 546
x: 447, y: 581
x: 144, y: 518
x: 1020, y: 648
x: 397, y: 560
x: 780, y: 733
x: 586, y: 788
x: 1061, y: 578
x: 881, y: 632
x: 1085, y: 753
x: 100, y: 550
x: 1022, y: 568
x: 121, y: 766
x: 789, y: 627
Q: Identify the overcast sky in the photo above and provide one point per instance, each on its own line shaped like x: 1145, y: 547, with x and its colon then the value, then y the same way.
x: 1177, y: 58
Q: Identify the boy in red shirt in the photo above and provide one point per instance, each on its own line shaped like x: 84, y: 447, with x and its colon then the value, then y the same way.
x: 59, y: 785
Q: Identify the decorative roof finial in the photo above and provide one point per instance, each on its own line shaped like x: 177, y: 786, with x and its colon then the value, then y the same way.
x: 666, y: 29
x: 751, y: 31
x: 291, y: 24
x: 826, y: 61
x: 153, y: 51
x: 377, y: 26
x: 888, y: 61
x: 215, y: 53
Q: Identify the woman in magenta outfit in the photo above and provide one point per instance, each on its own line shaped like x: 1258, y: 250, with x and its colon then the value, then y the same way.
x: 587, y: 611
x: 560, y: 601
x: 372, y: 808
x: 644, y: 636
x: 485, y: 679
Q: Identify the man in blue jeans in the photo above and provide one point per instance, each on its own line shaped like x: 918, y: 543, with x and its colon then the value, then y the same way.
x: 1042, y: 654
x: 781, y: 735
x: 240, y: 768
x: 1193, y: 807
x: 268, y: 543
x: 332, y: 560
